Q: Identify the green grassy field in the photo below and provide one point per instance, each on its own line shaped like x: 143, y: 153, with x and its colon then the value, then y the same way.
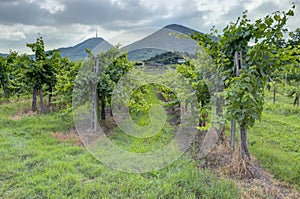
x: 275, y: 141
x: 36, y: 165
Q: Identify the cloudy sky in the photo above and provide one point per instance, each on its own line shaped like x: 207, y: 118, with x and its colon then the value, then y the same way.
x: 67, y: 22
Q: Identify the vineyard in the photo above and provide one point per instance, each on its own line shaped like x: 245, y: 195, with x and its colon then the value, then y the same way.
x: 245, y: 85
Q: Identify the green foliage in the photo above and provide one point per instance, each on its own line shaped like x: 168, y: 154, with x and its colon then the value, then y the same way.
x: 116, y: 65
x: 164, y: 58
x: 295, y: 38
x: 141, y: 100
x: 196, y: 80
x: 144, y: 97
x: 18, y: 82
x: 245, y: 98
x: 42, y: 69
x: 3, y: 77
x: 65, y: 79
x: 12, y: 80
x: 112, y: 65
x: 291, y: 74
x: 168, y: 58
x: 198, y: 73
x: 244, y: 94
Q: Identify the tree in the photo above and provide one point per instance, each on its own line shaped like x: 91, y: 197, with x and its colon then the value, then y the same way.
x: 42, y: 70
x: 52, y: 66
x: 197, y: 80
x: 4, y: 76
x: 65, y: 79
x: 35, y: 69
x: 293, y: 69
x: 99, y: 84
x: 245, y: 93
x: 11, y: 76
x: 18, y: 82
x: 113, y: 65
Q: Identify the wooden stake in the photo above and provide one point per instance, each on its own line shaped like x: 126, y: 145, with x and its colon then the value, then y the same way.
x: 95, y: 98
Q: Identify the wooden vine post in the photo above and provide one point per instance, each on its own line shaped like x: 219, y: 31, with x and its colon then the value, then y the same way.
x: 237, y: 66
x: 243, y: 139
x: 95, y: 97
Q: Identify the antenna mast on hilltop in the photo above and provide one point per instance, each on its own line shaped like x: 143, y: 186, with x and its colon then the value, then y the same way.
x: 96, y: 33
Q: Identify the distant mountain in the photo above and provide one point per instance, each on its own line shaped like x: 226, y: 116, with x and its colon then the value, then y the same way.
x: 181, y: 29
x: 78, y: 52
x: 166, y: 39
x: 3, y: 55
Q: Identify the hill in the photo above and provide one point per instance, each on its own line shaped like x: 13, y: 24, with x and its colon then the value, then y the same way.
x: 3, y: 55
x: 181, y: 29
x: 163, y: 40
x: 168, y: 38
x: 78, y: 52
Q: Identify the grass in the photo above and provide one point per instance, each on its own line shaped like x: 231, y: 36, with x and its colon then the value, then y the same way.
x: 275, y: 140
x: 34, y: 164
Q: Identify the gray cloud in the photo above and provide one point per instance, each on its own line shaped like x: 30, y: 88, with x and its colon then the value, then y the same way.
x: 11, y: 45
x: 91, y: 12
x: 270, y: 6
x: 186, y: 14
x: 99, y: 12
x: 266, y: 8
x: 21, y: 12
x: 70, y: 21
x: 233, y: 13
x: 230, y: 16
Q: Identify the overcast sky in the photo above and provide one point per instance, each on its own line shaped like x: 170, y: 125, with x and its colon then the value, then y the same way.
x: 67, y: 22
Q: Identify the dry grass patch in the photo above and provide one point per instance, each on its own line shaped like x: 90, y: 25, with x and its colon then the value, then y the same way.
x: 252, y: 180
x: 23, y: 113
x: 70, y: 137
